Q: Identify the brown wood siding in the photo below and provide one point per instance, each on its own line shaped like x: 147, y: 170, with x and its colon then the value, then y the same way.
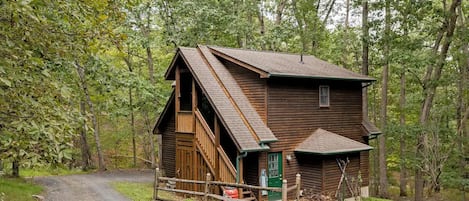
x: 333, y: 174
x: 365, y: 167
x: 253, y: 87
x: 311, y: 172
x: 294, y: 113
x: 169, y: 147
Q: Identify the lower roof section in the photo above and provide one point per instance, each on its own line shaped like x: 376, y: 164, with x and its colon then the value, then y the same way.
x: 323, y: 142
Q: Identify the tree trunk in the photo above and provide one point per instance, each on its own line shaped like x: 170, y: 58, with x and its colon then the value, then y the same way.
x: 279, y: 11
x: 346, y: 37
x: 128, y: 62
x: 260, y: 16
x: 463, y: 104
x: 430, y: 83
x: 329, y: 7
x: 82, y: 75
x: 15, y: 168
x: 402, y: 140
x: 365, y: 55
x: 383, y: 178
x: 365, y: 46
x: 1, y: 165
x: 132, y: 126
x: 146, y: 33
x: 85, y: 148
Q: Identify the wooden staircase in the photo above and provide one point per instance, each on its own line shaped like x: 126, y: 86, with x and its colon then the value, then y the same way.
x: 214, y: 156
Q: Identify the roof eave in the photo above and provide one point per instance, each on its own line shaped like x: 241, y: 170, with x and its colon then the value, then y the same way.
x: 170, y: 70
x: 329, y: 153
x: 163, y: 114
x: 284, y: 75
x: 262, y: 73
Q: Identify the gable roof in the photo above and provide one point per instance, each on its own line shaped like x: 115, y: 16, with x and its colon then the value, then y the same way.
x: 323, y: 142
x: 242, y: 122
x: 274, y: 64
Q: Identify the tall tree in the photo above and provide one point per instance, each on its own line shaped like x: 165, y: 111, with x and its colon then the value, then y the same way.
x: 430, y: 83
x: 82, y: 74
x: 383, y: 178
x: 85, y: 148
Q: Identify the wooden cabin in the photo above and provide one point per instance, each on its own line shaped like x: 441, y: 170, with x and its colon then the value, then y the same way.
x: 248, y: 116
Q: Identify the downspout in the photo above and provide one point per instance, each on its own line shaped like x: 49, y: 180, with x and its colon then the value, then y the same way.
x: 238, y: 158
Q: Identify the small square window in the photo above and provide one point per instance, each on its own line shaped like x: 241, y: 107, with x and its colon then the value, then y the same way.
x: 323, y: 96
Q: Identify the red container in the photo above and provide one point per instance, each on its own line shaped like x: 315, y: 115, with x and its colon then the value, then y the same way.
x: 231, y: 192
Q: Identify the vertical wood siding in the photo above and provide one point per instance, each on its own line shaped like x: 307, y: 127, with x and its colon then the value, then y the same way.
x: 253, y: 87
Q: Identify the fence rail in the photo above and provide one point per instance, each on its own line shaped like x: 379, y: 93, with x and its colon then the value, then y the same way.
x: 208, y: 182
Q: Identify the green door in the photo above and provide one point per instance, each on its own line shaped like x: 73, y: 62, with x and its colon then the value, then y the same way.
x: 274, y: 162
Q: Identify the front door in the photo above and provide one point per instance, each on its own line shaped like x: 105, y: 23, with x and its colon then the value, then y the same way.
x: 274, y: 174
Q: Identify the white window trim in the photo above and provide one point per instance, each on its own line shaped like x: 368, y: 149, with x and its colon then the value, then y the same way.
x: 328, y: 96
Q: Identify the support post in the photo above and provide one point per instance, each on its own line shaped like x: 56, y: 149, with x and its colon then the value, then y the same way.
x: 298, y: 186
x: 284, y: 190
x: 207, y: 182
x: 156, y: 184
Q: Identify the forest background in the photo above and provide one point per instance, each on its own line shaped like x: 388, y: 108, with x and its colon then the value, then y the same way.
x: 81, y: 82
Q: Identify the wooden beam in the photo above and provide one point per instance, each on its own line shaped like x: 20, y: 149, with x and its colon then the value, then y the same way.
x: 217, y: 144
x: 178, y: 94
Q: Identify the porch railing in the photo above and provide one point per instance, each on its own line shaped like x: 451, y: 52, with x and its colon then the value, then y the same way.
x: 285, y: 189
x: 206, y: 142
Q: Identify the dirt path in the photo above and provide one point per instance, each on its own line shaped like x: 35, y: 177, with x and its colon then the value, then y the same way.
x: 90, y: 187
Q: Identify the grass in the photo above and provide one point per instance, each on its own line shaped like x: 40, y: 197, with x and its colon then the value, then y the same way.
x: 17, y: 189
x: 49, y: 171
x: 142, y: 191
x: 374, y: 199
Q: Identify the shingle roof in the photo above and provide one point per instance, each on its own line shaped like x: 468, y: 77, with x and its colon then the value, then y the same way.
x: 323, y: 142
x: 240, y: 100
x: 275, y: 64
x: 370, y: 129
x: 220, y: 100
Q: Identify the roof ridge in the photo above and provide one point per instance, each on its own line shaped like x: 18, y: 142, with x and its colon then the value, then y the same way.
x: 250, y: 116
x: 262, y: 51
x: 239, y: 132
x: 227, y: 93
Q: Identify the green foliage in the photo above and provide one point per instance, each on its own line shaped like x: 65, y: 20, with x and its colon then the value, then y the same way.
x: 374, y: 199
x: 18, y: 189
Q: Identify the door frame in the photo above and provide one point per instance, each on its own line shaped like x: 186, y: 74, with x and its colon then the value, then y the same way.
x: 280, y: 166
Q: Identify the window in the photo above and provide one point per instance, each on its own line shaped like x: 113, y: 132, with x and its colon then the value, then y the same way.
x: 323, y: 96
x: 273, y: 165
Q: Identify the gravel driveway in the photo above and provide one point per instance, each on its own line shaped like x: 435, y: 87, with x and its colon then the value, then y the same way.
x: 90, y: 187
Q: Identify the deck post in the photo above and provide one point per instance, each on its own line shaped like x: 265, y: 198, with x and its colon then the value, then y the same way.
x: 298, y: 186
x: 284, y: 190
x: 206, y: 191
x: 156, y: 184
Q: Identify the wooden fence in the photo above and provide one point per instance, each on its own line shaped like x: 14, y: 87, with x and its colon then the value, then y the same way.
x: 208, y: 182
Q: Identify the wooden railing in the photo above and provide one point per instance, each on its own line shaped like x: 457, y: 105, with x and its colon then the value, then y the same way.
x: 185, y: 122
x: 206, y: 194
x: 205, y: 138
x: 227, y: 171
x: 206, y: 143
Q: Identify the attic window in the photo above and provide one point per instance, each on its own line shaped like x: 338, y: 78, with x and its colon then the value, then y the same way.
x: 323, y: 96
